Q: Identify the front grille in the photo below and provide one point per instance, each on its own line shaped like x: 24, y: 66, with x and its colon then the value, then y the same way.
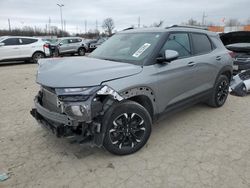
x: 49, y: 100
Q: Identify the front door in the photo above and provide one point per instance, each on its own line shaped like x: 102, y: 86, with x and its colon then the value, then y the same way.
x: 177, y: 79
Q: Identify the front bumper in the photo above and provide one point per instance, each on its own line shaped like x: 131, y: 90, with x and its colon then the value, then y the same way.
x: 57, y: 123
x: 53, y: 116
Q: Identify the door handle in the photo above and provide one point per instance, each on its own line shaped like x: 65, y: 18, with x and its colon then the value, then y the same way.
x: 218, y: 58
x: 191, y: 64
x: 16, y: 48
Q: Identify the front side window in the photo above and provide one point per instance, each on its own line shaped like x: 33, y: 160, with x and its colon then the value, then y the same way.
x: 201, y: 44
x: 178, y: 42
x: 11, y: 41
x: 65, y: 41
x: 128, y: 47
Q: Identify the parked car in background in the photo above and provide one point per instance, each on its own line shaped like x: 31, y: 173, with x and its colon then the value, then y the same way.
x: 93, y: 46
x: 112, y: 97
x: 239, y: 43
x: 70, y: 45
x: 14, y: 48
x: 89, y: 42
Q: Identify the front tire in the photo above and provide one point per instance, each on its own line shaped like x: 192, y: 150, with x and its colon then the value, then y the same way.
x: 220, y: 92
x: 128, y: 127
x: 81, y: 52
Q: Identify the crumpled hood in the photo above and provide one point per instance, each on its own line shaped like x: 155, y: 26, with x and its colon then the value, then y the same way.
x: 81, y: 71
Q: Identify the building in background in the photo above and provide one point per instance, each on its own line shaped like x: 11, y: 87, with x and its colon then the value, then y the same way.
x: 226, y: 29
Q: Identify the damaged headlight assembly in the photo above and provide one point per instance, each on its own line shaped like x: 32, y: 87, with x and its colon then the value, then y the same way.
x: 76, y: 102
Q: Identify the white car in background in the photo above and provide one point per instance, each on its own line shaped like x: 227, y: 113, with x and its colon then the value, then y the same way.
x: 14, y: 48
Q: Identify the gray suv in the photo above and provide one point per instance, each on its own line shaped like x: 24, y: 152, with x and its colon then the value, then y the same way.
x: 71, y: 45
x: 112, y: 97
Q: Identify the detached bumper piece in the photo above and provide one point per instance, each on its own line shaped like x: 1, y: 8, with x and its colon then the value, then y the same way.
x: 240, y: 84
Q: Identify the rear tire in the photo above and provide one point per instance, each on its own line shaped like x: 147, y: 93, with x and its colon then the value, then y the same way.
x: 128, y: 127
x: 36, y: 56
x: 220, y: 92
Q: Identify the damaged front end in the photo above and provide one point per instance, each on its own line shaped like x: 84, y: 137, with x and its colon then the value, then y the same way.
x: 74, y: 112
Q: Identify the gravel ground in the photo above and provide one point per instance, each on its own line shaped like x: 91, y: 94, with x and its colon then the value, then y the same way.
x: 198, y: 147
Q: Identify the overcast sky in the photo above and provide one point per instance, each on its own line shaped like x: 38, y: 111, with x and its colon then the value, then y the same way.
x: 124, y: 12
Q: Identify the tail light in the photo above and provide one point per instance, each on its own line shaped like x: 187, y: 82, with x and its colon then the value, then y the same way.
x: 46, y: 45
x: 232, y: 54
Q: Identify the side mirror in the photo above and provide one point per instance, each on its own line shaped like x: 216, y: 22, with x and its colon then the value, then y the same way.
x: 60, y: 44
x: 2, y: 44
x: 171, y: 55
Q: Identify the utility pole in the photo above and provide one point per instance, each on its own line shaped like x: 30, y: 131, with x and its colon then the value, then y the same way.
x: 85, y: 23
x: 203, y: 18
x: 139, y: 22
x: 60, y: 6
x: 96, y: 25
x: 9, y: 24
x: 49, y: 25
x: 64, y: 25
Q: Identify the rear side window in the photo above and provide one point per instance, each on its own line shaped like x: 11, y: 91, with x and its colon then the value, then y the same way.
x: 201, y: 44
x: 75, y: 40
x: 11, y: 41
x: 178, y: 42
x: 28, y: 41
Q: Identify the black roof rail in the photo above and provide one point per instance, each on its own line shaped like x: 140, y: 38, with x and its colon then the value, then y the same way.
x: 187, y: 26
x: 129, y: 28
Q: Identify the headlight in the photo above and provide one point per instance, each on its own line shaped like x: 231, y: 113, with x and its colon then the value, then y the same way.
x: 75, y: 94
x: 78, y: 91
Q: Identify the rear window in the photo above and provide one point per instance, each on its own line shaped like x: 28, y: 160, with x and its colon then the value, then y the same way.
x: 28, y: 41
x: 201, y: 44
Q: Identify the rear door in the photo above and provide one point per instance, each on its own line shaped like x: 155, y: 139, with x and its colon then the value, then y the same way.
x: 75, y: 44
x: 206, y: 61
x: 27, y: 47
x: 11, y: 49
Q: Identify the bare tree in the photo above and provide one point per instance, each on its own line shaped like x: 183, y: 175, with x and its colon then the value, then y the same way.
x: 193, y: 22
x: 158, y: 24
x: 108, y: 25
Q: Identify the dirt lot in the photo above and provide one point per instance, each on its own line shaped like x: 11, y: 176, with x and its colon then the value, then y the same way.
x: 198, y: 147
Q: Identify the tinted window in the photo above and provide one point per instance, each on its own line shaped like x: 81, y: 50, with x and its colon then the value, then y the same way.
x: 74, y: 40
x: 201, y: 44
x: 28, y: 41
x: 11, y: 41
x: 178, y: 42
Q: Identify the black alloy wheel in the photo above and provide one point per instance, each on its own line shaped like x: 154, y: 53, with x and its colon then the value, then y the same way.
x: 128, y: 128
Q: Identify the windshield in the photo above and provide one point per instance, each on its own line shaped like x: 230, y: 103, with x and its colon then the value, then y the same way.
x: 127, y: 47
